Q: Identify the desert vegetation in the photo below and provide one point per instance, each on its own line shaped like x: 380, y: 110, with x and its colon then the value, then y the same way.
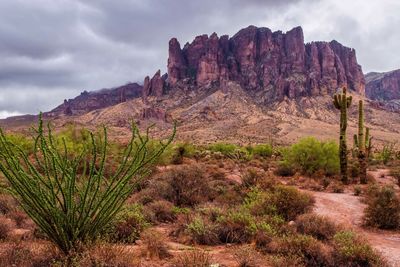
x: 148, y: 203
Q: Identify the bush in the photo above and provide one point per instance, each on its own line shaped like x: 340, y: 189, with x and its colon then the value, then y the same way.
x: 284, y: 169
x: 223, y: 148
x: 262, y: 150
x: 194, y: 258
x: 307, y: 250
x: 106, y: 255
x: 202, y: 232
x: 7, y: 203
x: 161, y: 211
x: 246, y: 256
x: 155, y: 245
x: 383, y: 209
x: 310, y: 155
x: 290, y: 202
x: 6, y: 225
x: 349, y: 250
x: 187, y: 186
x: 319, y: 227
x: 32, y: 255
x: 236, y: 227
x: 128, y: 225
x: 251, y: 178
x: 72, y: 207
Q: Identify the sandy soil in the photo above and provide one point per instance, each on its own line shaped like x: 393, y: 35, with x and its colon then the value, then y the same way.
x: 347, y: 209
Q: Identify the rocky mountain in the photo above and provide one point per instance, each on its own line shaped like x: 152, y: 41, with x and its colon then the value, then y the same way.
x: 383, y: 86
x: 273, y: 64
x: 88, y: 101
x: 254, y: 86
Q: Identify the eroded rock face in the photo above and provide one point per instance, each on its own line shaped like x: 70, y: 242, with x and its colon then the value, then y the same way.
x: 88, y: 101
x: 278, y: 64
x: 154, y: 86
x: 383, y: 86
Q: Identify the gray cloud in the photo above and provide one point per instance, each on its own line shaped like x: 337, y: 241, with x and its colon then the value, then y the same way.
x: 53, y: 49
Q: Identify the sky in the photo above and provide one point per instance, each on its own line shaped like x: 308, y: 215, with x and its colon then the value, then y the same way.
x: 51, y: 50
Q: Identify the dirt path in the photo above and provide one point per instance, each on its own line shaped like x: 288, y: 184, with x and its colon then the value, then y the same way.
x: 348, y: 210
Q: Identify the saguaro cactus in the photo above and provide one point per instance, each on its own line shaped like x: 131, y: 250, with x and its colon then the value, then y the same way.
x: 342, y: 102
x: 362, y: 144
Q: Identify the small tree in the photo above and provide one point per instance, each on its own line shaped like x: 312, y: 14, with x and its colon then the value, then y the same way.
x: 342, y: 102
x: 69, y: 198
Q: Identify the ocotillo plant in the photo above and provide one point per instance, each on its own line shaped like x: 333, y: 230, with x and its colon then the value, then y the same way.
x: 342, y: 102
x: 362, y: 144
x: 69, y: 198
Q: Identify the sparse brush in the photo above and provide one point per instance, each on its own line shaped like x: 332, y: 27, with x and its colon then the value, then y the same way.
x: 72, y: 207
x: 316, y: 226
x: 383, y: 209
x: 194, y: 258
x: 246, y: 256
x: 155, y: 245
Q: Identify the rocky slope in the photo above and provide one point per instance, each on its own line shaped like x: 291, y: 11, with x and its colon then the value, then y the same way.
x: 383, y: 86
x: 88, y: 101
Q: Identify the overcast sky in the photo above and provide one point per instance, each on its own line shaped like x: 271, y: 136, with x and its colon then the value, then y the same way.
x: 54, y: 49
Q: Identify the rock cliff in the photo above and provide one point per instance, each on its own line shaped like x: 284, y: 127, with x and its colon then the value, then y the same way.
x: 274, y: 63
x: 383, y: 86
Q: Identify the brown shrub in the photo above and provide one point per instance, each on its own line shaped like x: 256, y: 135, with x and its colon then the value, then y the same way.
x: 7, y: 203
x: 310, y: 251
x: 251, y: 178
x: 194, y: 258
x: 20, y: 218
x: 246, y: 256
x: 185, y: 186
x: 289, y: 201
x: 161, y: 211
x: 6, y: 225
x: 107, y: 255
x: 317, y: 226
x: 28, y: 255
x: 155, y: 245
x: 383, y: 209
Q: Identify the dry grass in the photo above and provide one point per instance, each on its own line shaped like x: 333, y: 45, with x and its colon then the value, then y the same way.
x: 155, y: 245
x: 107, y: 255
x: 194, y: 258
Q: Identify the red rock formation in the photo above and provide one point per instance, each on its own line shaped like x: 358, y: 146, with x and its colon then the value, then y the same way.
x: 383, y: 86
x: 155, y: 86
x: 279, y: 64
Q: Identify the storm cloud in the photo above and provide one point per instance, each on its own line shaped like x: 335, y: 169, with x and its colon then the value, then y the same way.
x: 54, y: 49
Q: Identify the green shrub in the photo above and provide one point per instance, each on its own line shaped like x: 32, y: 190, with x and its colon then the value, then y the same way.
x: 349, y: 250
x: 310, y: 155
x: 290, y: 202
x: 383, y: 209
x: 262, y: 150
x: 128, y: 224
x: 308, y: 251
x: 225, y: 148
x: 202, y: 232
x: 319, y: 227
x: 73, y: 207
